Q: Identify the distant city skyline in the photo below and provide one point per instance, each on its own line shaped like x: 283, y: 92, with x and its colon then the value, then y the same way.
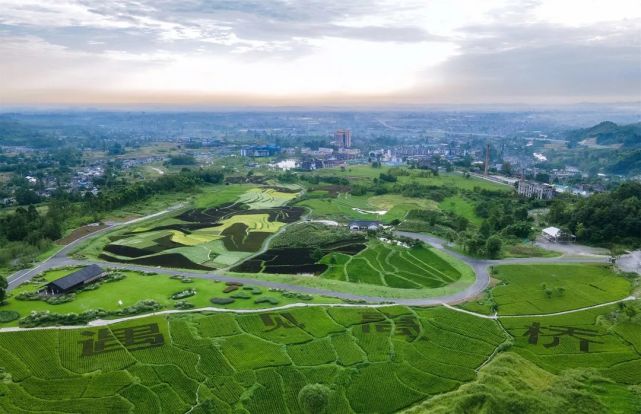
x: 300, y: 53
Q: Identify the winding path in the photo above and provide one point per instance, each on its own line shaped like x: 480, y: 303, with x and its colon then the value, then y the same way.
x: 480, y: 267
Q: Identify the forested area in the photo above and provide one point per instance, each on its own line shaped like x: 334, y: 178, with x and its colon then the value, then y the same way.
x: 612, y: 217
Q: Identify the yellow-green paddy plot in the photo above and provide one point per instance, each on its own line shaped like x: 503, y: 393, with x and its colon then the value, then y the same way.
x: 199, y: 238
x: 547, y: 288
x: 397, y: 266
x: 267, y: 197
x: 373, y: 360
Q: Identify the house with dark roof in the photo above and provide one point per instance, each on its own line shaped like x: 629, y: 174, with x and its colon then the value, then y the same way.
x: 364, y: 225
x: 74, y: 280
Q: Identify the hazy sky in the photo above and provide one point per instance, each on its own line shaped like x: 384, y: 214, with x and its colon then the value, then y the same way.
x: 283, y: 52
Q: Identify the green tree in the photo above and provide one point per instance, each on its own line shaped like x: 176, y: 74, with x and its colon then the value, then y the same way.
x: 314, y: 398
x: 493, y: 247
x: 3, y: 289
x: 317, y: 254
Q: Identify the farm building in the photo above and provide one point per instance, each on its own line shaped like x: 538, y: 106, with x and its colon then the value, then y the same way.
x: 364, y: 225
x: 75, y: 280
x: 557, y: 235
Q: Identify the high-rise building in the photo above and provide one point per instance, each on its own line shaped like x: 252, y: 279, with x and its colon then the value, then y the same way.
x: 343, y: 138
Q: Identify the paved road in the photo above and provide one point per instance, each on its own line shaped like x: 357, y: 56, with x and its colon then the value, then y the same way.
x: 480, y: 267
x: 61, y: 257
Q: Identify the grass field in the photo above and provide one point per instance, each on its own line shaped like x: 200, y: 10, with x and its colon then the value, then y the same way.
x: 547, y: 288
x: 462, y: 207
x: 366, y: 173
x: 394, y: 266
x: 347, y: 207
x: 373, y: 361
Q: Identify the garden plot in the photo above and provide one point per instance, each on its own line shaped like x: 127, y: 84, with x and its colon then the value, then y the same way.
x: 254, y: 363
x: 268, y: 197
x: 204, y: 238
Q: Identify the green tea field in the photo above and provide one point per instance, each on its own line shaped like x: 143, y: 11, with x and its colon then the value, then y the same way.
x: 373, y: 360
x: 383, y: 360
x: 543, y: 288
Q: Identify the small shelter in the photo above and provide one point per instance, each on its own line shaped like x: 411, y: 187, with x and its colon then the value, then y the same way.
x: 554, y: 234
x: 364, y: 225
x: 74, y: 280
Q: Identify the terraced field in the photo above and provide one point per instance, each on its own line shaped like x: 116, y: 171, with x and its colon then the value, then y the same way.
x: 394, y: 266
x: 207, y: 238
x: 374, y: 361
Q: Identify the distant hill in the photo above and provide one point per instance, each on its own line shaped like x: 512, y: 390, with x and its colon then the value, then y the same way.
x: 608, y: 134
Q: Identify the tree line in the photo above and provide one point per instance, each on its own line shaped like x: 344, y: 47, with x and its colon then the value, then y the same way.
x: 611, y: 217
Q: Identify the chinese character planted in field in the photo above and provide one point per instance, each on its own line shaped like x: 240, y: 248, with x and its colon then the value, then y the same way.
x: 280, y: 320
x: 408, y: 327
x: 533, y: 331
x: 375, y: 318
x: 556, y: 332
x: 133, y: 338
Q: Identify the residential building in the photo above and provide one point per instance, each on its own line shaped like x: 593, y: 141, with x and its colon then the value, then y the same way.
x: 343, y: 138
x: 536, y: 190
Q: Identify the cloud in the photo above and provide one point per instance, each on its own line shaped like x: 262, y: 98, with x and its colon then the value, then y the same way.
x: 541, y: 61
x: 407, y: 50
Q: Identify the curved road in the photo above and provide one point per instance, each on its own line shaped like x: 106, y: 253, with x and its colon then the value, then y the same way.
x: 480, y: 267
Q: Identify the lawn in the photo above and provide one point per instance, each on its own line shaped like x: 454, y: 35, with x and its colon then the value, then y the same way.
x: 346, y: 207
x: 137, y: 286
x: 547, y: 288
x: 253, y: 363
x: 462, y: 207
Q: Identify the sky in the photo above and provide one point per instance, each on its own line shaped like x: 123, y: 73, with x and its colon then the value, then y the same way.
x: 319, y: 52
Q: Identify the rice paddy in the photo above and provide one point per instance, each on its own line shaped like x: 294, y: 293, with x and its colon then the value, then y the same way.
x: 207, y: 238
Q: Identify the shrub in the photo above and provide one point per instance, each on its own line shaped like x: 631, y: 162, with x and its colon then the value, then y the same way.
x: 183, y: 305
x: 8, y: 316
x: 241, y: 295
x: 221, y: 301
x: 314, y: 398
x: 183, y: 294
x: 113, y: 277
x: 33, y: 295
x: 271, y: 301
x: 57, y: 300
x: 146, y: 305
